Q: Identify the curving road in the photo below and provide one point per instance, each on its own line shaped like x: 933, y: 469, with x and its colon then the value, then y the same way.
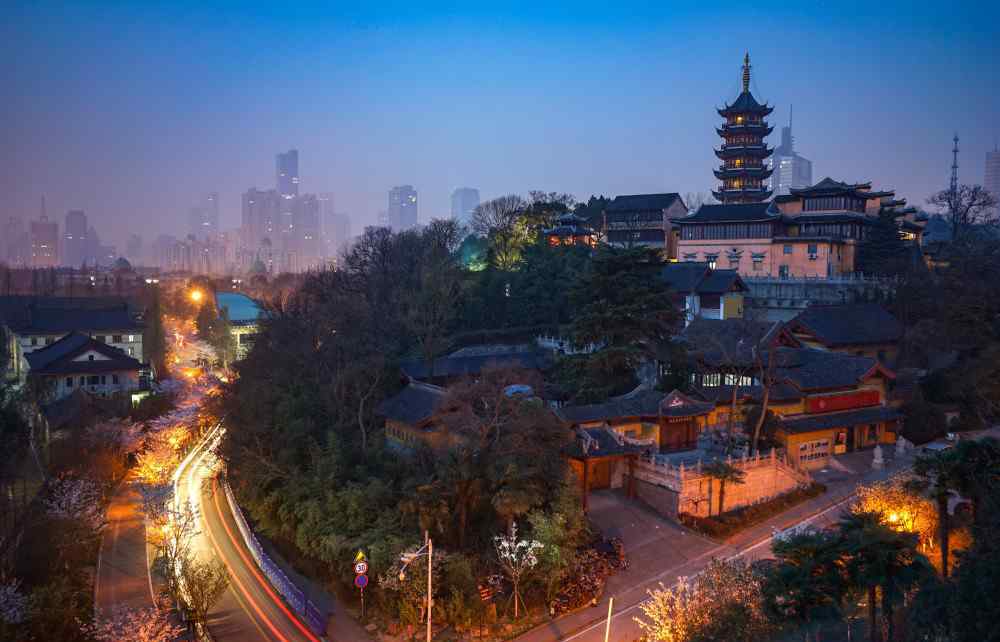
x: 250, y: 609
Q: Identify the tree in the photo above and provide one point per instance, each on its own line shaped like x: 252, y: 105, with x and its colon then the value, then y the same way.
x: 502, y: 223
x: 876, y: 556
x: 725, y: 473
x: 204, y: 583
x: 154, y: 341
x: 724, y: 602
x: 138, y: 625
x: 517, y: 558
x: 883, y: 251
x: 966, y: 207
x: 936, y: 475
x: 808, y: 583
x: 625, y: 310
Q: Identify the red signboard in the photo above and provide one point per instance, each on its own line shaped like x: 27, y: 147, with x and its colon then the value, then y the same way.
x: 831, y: 403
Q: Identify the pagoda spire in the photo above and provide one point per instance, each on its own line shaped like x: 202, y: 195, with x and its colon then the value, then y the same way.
x: 746, y: 72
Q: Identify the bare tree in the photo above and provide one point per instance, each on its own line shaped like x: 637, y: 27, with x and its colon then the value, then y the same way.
x: 204, y: 584
x: 500, y: 221
x: 694, y: 200
x: 966, y: 207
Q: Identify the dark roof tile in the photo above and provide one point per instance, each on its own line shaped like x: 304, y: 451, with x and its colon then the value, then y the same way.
x: 642, y: 202
x: 849, y: 324
x: 414, y: 404
x: 731, y: 212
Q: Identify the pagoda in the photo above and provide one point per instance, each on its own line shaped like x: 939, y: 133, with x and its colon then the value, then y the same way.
x: 743, y: 171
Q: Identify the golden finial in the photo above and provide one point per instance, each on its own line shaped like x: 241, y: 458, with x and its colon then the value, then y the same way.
x: 746, y: 72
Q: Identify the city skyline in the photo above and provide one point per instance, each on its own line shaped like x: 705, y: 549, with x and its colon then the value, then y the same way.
x: 883, y: 112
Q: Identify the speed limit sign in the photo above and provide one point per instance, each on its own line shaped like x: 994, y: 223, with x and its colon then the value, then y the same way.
x: 360, y: 568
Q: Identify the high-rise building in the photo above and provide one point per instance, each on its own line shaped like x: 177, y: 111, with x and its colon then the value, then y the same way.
x: 203, y: 221
x: 402, y: 208
x: 305, y: 243
x: 75, y: 237
x: 16, y: 243
x: 336, y: 227
x: 743, y: 172
x: 260, y: 213
x: 133, y: 249
x: 44, y: 242
x: 791, y: 171
x: 287, y: 171
x: 464, y: 201
x: 991, y: 181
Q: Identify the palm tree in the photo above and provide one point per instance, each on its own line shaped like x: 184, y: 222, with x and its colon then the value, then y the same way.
x: 808, y: 583
x: 937, y: 476
x: 725, y: 473
x: 876, y: 556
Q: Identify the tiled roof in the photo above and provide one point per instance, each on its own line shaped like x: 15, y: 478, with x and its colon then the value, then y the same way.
x: 601, y: 442
x: 642, y: 202
x: 746, y: 103
x: 849, y: 324
x: 696, y: 277
x: 809, y: 423
x: 33, y: 318
x: 730, y: 212
x: 645, y: 404
x: 57, y: 358
x: 719, y: 340
x: 414, y: 404
x: 472, y: 360
x: 820, y: 370
x: 677, y: 404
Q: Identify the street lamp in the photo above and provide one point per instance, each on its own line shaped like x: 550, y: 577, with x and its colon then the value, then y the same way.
x: 428, y: 550
x: 196, y: 296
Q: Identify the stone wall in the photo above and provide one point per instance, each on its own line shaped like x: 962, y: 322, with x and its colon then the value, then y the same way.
x: 659, y: 498
x: 774, y: 299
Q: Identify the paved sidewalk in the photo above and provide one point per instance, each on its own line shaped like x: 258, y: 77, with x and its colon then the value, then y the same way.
x: 122, y: 569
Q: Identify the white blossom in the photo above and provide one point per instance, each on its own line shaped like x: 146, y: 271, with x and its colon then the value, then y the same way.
x: 136, y: 625
x: 77, y: 499
x: 13, y: 603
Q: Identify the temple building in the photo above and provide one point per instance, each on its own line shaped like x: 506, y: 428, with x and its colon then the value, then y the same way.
x: 744, y: 171
x: 811, y: 232
x: 570, y: 229
x: 645, y: 220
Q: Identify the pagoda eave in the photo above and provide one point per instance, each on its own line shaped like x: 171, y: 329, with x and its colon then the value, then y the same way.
x: 760, y: 151
x: 729, y: 110
x: 733, y: 130
x: 745, y: 172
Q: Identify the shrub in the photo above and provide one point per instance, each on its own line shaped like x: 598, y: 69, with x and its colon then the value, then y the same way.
x: 721, y: 526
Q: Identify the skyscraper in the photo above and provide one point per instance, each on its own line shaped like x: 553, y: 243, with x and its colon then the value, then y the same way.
x: 203, y: 221
x: 287, y: 171
x: 44, y: 242
x: 791, y: 171
x: 402, y: 208
x: 991, y: 181
x: 336, y: 227
x: 75, y: 239
x: 464, y: 201
x: 260, y: 214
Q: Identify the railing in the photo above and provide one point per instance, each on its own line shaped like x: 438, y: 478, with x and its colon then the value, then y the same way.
x: 850, y: 277
x: 295, y: 596
x: 658, y: 470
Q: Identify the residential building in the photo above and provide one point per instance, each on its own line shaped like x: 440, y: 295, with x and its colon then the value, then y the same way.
x: 790, y: 170
x: 260, y: 213
x: 287, y: 173
x: 80, y: 362
x: 35, y: 322
x: 464, y: 201
x: 743, y: 173
x: 703, y: 291
x: 75, y: 239
x: 16, y: 244
x: 402, y: 212
x: 304, y: 240
x: 645, y: 220
x: 411, y: 418
x: 44, y: 242
x: 203, y: 221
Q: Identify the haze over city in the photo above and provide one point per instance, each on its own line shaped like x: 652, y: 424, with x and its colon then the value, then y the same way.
x: 132, y: 113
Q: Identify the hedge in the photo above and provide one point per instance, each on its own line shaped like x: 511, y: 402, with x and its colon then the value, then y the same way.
x: 730, y: 522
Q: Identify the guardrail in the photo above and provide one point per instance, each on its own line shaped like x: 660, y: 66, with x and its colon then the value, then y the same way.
x: 295, y: 596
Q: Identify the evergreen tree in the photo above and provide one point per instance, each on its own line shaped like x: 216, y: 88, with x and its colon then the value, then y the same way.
x: 154, y: 341
x: 883, y: 252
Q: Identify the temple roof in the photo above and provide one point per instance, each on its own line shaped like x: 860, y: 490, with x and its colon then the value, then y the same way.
x: 677, y: 405
x: 472, y: 359
x: 849, y: 324
x: 745, y: 103
x: 697, y: 277
x: 830, y: 187
x: 414, y: 404
x: 643, y: 202
x: 809, y: 423
x: 731, y: 212
x: 602, y: 442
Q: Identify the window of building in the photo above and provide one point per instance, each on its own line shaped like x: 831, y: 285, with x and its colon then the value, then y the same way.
x: 711, y: 380
x: 104, y: 379
x: 114, y: 379
x: 872, y: 433
x: 131, y: 338
x: 813, y: 250
x: 811, y: 450
x: 48, y: 340
x: 90, y: 357
x: 93, y: 380
x: 116, y: 338
x: 101, y: 338
x: 69, y: 382
x: 787, y: 249
x: 131, y: 352
x: 34, y: 341
x: 783, y: 271
x: 711, y: 259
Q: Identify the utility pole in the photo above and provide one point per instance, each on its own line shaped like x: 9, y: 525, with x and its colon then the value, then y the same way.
x: 430, y: 579
x: 954, y: 168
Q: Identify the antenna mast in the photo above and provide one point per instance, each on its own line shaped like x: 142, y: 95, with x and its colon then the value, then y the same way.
x: 954, y: 167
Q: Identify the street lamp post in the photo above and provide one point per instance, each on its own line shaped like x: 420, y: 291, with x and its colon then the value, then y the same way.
x: 406, y: 558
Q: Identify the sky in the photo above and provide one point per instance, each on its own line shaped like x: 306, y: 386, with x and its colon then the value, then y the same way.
x: 133, y: 111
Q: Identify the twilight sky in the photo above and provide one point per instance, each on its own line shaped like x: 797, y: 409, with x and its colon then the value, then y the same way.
x: 132, y: 111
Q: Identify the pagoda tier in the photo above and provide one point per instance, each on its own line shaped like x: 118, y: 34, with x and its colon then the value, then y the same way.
x: 743, y: 173
x: 761, y: 172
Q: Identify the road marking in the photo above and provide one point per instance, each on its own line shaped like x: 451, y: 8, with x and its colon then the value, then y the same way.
x: 253, y: 567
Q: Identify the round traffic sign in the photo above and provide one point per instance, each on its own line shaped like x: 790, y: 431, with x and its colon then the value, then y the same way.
x: 360, y: 568
x: 361, y: 581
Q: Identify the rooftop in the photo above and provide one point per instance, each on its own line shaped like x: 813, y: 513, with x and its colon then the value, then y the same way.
x: 696, y: 277
x: 242, y: 309
x: 731, y: 212
x: 472, y: 359
x: 58, y: 357
x: 55, y: 315
x: 848, y: 324
x: 643, y: 202
x: 414, y: 404
x: 809, y: 423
